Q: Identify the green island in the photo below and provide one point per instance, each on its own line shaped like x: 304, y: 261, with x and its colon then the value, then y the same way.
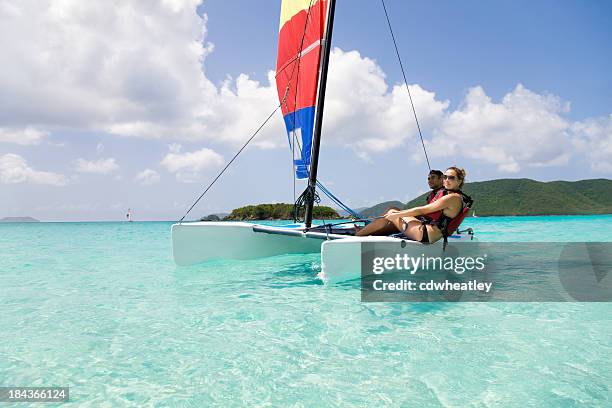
x: 491, y: 198
x: 526, y: 197
x: 276, y: 211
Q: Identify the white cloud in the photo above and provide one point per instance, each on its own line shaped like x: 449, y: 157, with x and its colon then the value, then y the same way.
x: 175, y: 147
x: 96, y: 66
x: 189, y: 166
x: 240, y: 108
x: 593, y: 137
x: 147, y: 177
x: 22, y: 136
x: 14, y: 169
x: 135, y: 68
x: 101, y: 166
x: 524, y: 129
x: 362, y: 111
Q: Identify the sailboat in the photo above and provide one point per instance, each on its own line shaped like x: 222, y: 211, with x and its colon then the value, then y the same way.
x: 304, y: 46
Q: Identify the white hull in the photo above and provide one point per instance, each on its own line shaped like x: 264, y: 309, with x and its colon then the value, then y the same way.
x: 196, y: 242
x: 341, y: 259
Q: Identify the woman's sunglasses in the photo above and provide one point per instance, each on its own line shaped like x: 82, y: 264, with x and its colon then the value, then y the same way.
x: 445, y: 177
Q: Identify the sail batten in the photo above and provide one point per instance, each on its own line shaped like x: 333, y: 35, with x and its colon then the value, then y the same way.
x: 302, y: 26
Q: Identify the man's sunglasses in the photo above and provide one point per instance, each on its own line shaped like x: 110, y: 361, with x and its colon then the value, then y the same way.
x: 445, y: 177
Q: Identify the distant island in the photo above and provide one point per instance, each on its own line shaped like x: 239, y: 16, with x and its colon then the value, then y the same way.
x: 526, y: 197
x: 18, y: 219
x: 214, y: 217
x: 276, y: 211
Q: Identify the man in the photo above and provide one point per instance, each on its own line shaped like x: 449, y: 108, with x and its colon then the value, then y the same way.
x: 434, y: 179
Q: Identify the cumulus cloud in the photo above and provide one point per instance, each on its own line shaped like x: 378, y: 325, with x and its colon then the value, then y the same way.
x: 523, y: 129
x: 14, y: 169
x: 364, y: 112
x: 593, y: 137
x: 188, y: 166
x: 147, y: 177
x: 22, y: 136
x: 101, y: 166
x: 103, y: 65
x: 135, y: 68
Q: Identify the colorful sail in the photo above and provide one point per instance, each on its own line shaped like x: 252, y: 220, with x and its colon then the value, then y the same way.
x: 302, y: 26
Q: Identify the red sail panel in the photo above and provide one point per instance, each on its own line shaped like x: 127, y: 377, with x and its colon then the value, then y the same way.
x: 299, y: 52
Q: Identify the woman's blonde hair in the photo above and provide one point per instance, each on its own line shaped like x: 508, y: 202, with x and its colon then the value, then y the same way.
x: 460, y: 174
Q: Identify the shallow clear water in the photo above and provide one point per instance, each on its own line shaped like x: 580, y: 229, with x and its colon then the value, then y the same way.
x: 102, y: 308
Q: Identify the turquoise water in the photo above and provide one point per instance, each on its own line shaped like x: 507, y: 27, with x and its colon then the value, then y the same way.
x: 101, y: 307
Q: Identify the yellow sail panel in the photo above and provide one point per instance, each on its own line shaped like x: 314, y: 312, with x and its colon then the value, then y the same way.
x: 290, y: 8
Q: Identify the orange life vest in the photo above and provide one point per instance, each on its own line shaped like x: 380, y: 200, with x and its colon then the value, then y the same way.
x: 435, y: 195
x: 448, y: 225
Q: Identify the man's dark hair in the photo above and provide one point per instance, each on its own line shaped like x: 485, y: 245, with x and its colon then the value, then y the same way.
x: 436, y: 172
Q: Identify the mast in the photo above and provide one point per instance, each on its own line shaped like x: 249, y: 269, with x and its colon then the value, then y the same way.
x: 316, y: 139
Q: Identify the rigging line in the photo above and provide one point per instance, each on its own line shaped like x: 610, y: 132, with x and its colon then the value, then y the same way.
x: 406, y: 82
x: 298, y: 65
x: 256, y: 132
x: 293, y: 166
x: 297, y: 88
x: 284, y: 101
x: 230, y: 162
x: 336, y: 200
x: 299, y: 58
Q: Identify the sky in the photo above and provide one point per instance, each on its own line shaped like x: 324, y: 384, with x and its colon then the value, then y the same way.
x: 112, y: 105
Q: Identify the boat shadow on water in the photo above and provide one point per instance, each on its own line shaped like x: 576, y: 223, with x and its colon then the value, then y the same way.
x: 282, y: 271
x: 298, y: 274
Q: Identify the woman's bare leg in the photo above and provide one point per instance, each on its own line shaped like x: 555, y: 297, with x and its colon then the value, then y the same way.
x: 411, y: 227
x: 414, y: 230
x: 380, y: 226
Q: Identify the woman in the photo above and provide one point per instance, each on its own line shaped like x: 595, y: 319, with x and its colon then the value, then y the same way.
x: 423, y: 223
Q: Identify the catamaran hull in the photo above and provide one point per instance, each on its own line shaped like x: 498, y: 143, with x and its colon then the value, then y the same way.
x: 345, y: 259
x: 197, y: 242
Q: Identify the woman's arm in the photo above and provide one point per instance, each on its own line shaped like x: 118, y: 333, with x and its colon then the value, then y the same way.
x: 438, y: 205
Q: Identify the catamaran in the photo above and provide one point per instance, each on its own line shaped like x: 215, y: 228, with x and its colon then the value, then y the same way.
x: 304, y: 47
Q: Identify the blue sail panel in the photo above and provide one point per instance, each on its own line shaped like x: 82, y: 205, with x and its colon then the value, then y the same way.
x: 300, y: 126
